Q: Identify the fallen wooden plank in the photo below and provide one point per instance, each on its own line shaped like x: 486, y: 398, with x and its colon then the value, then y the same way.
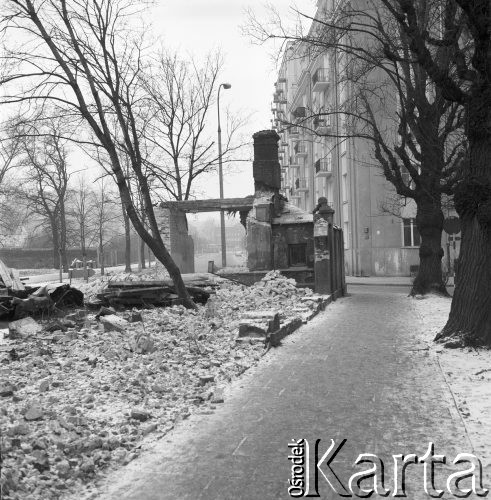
x: 139, y: 284
x: 136, y: 292
x: 149, y: 284
x: 136, y: 301
x: 144, y: 292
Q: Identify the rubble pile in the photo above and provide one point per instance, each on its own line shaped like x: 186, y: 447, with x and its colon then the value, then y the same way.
x: 18, y: 300
x: 232, y: 270
x: 83, y: 394
x: 98, y: 284
x: 274, y: 291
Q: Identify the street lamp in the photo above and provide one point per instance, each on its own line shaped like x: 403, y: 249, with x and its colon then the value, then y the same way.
x: 220, y: 175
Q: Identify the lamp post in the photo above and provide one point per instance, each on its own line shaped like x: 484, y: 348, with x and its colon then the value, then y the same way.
x: 220, y: 175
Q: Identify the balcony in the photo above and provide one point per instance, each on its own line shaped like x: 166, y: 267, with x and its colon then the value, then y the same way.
x: 320, y: 80
x: 293, y: 131
x: 279, y: 98
x: 301, y: 185
x: 323, y: 168
x: 299, y: 112
x: 322, y: 124
x: 300, y: 150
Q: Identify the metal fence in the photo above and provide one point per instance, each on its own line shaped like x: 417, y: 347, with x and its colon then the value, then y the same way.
x: 338, y: 280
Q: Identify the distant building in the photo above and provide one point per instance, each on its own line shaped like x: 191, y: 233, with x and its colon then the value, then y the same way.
x: 342, y: 170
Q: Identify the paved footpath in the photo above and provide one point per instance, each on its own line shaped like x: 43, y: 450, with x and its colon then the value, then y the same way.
x: 356, y: 372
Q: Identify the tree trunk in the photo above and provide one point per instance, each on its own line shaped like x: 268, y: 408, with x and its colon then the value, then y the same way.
x: 101, y: 252
x: 155, y: 243
x: 429, y: 221
x: 152, y: 238
x: 142, y: 254
x: 56, y: 245
x: 84, y: 255
x: 470, y: 314
x: 127, y: 242
x: 63, y: 238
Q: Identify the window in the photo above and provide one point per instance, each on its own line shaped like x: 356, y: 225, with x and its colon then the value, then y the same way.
x: 410, y: 234
x: 406, y: 178
x: 345, y: 187
x: 297, y: 254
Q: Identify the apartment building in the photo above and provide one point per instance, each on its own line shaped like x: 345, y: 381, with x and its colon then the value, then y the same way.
x: 341, y: 168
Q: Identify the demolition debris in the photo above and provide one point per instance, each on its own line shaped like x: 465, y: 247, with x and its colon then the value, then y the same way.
x: 18, y: 300
x: 83, y: 392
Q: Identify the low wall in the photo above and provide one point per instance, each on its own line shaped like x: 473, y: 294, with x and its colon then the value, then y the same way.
x: 394, y: 261
x: 39, y: 258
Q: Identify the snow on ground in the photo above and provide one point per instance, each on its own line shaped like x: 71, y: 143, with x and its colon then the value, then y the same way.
x: 467, y: 372
x: 77, y: 402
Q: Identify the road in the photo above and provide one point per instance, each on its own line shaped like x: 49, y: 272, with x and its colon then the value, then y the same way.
x: 358, y: 372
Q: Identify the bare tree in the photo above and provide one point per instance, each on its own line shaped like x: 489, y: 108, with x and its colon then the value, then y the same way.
x: 105, y: 218
x: 457, y: 57
x: 82, y: 211
x: 44, y: 157
x: 11, y: 213
x: 415, y: 133
x: 84, y: 56
x: 181, y: 96
x: 9, y: 149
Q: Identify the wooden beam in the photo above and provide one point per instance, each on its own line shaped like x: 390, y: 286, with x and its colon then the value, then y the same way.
x: 215, y: 205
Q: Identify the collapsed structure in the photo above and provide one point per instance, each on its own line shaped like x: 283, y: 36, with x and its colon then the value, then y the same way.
x: 279, y: 235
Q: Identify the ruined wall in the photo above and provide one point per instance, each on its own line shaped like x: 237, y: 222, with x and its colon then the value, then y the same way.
x: 173, y: 227
x: 259, y: 241
x: 267, y: 181
x: 292, y: 234
x: 266, y: 167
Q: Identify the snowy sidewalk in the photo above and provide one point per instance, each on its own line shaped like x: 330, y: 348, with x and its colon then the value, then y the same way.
x: 359, y: 372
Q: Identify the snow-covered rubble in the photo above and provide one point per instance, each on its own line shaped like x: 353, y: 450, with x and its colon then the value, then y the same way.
x: 97, y: 284
x: 76, y: 402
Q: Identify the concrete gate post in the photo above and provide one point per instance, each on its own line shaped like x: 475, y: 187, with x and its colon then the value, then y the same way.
x: 323, y: 240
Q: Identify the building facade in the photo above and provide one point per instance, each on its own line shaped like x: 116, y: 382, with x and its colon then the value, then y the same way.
x: 319, y: 158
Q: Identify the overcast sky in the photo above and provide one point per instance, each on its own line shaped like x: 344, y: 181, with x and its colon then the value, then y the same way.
x: 198, y: 26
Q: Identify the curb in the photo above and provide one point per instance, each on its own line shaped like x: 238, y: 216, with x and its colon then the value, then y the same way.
x: 378, y: 284
x: 387, y: 284
x: 274, y: 338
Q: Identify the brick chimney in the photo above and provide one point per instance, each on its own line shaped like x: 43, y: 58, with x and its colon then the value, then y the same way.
x: 266, y: 167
